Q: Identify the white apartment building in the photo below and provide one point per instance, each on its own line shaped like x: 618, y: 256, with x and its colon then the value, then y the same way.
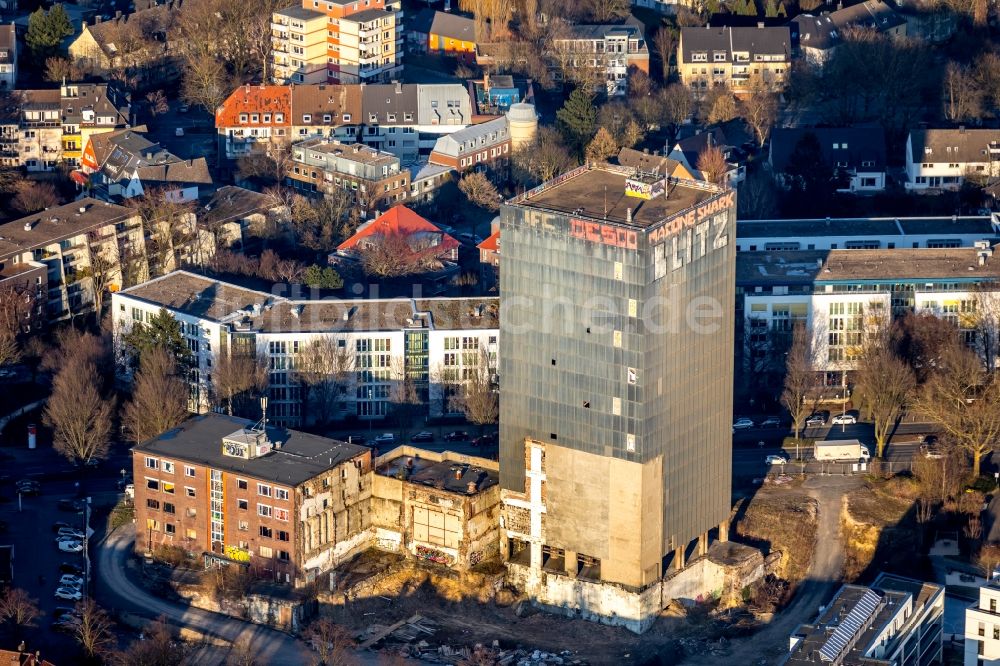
x: 299, y: 46
x: 982, y: 627
x: 8, y: 57
x: 425, y: 345
x: 839, y: 294
x: 945, y: 158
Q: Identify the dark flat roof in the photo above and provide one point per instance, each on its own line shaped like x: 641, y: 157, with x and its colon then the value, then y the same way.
x: 871, y: 226
x: 586, y: 190
x: 301, y: 456
x: 448, y: 475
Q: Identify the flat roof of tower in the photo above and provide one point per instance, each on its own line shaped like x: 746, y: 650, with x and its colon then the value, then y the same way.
x: 597, y: 192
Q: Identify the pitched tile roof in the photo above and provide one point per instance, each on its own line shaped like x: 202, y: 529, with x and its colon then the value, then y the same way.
x: 320, y: 100
x: 261, y: 99
x: 401, y: 221
x: 453, y: 26
x: 8, y: 42
x: 953, y: 145
x: 826, y: 30
x: 158, y: 20
x: 753, y: 40
x: 863, y: 144
x: 491, y: 244
x: 630, y: 157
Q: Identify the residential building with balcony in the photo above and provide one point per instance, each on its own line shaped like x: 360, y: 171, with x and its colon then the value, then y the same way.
x: 8, y: 57
x: 90, y: 109
x: 299, y: 46
x: 982, y: 626
x: 377, y: 347
x: 403, y: 119
x: 710, y: 57
x: 893, y: 621
x: 233, y: 492
x: 354, y: 42
x: 372, y: 177
x: 840, y: 294
x: 66, y: 239
x: 943, y: 159
x: 40, y: 145
x: 610, y: 51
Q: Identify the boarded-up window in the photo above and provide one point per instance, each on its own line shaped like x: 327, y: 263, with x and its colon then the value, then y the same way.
x: 436, y: 527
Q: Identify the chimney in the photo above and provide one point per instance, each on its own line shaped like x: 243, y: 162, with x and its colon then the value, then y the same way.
x: 118, y: 14
x: 399, y: 87
x: 471, y: 487
x: 83, y: 209
x: 458, y: 473
x: 961, y: 129
x: 760, y: 25
x: 628, y: 215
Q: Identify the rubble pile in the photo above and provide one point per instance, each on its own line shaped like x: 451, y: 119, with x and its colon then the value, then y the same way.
x: 480, y: 654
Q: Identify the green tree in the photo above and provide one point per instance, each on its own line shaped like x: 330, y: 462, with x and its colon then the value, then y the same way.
x: 46, y: 31
x: 162, y: 330
x: 323, y: 278
x: 577, y: 119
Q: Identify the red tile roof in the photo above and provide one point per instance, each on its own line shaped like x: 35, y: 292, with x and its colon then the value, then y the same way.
x: 250, y: 99
x: 491, y: 244
x: 400, y: 220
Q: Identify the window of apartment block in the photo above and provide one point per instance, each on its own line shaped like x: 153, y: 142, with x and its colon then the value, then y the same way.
x: 280, y: 493
x: 264, y: 510
x: 242, y: 504
x: 266, y: 551
x: 283, y: 535
x: 153, y: 504
x: 168, y: 467
x: 189, y: 491
x: 190, y: 534
x: 188, y: 470
x: 170, y: 528
x: 168, y: 487
x: 283, y: 555
x: 152, y: 463
x: 241, y: 484
x: 266, y: 532
x: 243, y: 525
x: 152, y: 484
x: 152, y: 524
x: 263, y: 490
x: 281, y: 514
x: 169, y: 508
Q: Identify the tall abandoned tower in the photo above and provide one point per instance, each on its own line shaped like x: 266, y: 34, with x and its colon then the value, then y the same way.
x: 616, y: 364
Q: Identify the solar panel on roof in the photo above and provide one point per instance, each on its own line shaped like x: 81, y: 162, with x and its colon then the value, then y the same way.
x: 851, y: 625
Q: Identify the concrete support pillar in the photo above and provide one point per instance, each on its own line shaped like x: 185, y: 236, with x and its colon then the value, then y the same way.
x: 679, y: 558
x: 703, y: 544
x: 724, y: 530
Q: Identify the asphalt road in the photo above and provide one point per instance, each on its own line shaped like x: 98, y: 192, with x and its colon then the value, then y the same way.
x: 116, y: 590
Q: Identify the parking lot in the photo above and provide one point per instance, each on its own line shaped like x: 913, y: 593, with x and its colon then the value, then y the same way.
x: 37, y: 558
x: 460, y: 438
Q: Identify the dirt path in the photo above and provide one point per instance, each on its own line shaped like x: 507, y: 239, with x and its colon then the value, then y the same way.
x: 768, y: 645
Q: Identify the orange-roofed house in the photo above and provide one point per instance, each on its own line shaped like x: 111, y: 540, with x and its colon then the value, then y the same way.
x: 253, y: 117
x: 405, y: 232
x: 489, y: 258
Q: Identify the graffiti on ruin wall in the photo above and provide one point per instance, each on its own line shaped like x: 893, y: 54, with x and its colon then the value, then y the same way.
x: 433, y: 555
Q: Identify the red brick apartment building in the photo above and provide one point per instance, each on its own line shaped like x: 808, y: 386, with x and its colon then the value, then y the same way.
x: 287, y: 504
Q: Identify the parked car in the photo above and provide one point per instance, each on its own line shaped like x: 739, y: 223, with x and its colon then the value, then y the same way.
x: 844, y: 419
x: 457, y: 436
x: 70, y: 568
x: 776, y: 460
x: 71, y: 532
x: 179, y: 131
x: 71, y: 546
x: 771, y: 422
x: 815, y: 420
x: 69, y: 505
x: 67, y: 623
x: 63, y: 611
x: 69, y: 580
x: 422, y: 437
x: 69, y: 593
x: 385, y: 438
x: 742, y: 423
x: 485, y: 440
x: 59, y: 524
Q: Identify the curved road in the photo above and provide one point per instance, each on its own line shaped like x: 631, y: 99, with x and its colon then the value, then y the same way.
x: 270, y: 646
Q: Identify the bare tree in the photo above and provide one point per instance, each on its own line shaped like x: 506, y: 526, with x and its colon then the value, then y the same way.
x: 79, y: 415
x: 478, y: 189
x: 93, y: 633
x: 158, y: 647
x: 236, y: 374
x: 324, y: 367
x: 883, y: 383
x: 159, y: 396
x: 719, y: 105
x: 206, y: 82
x: 963, y: 96
x: 601, y: 147
x: 101, y: 272
x: 712, y: 165
x: 169, y: 227
x: 964, y: 401
x: 988, y: 559
x: 33, y: 196
x: 156, y: 102
x: 321, y: 224
x: 760, y: 107
x: 59, y: 69
x: 606, y: 11
x: 18, y: 608
x: 542, y: 160
x: 331, y: 641
x: 394, y: 255
x: 800, y: 379
x: 477, y: 397
x: 665, y: 42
